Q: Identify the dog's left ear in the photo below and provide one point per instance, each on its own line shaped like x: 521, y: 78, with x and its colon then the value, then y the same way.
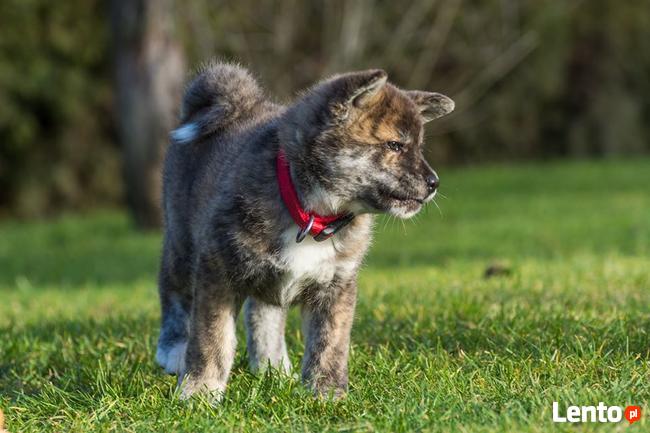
x: 431, y: 105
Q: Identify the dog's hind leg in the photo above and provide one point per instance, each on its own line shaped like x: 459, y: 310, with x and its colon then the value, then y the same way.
x: 265, y: 336
x: 175, y: 299
x: 212, y: 339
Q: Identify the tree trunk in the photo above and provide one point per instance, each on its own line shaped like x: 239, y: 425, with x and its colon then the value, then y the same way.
x: 149, y: 73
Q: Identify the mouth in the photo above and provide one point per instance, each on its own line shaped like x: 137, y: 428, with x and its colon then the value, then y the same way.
x: 402, y: 205
x: 398, y: 203
x: 406, y: 201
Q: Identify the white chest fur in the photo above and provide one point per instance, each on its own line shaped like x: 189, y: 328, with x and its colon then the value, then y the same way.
x: 306, y: 261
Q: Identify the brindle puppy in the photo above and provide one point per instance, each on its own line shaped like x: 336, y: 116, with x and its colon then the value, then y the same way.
x: 353, y: 144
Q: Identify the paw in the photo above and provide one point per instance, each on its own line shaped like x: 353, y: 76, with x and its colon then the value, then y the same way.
x: 283, y: 365
x: 211, y: 389
x: 172, y: 359
x: 327, y: 389
x: 330, y: 393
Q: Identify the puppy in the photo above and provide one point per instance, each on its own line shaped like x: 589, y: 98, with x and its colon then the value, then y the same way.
x: 269, y: 206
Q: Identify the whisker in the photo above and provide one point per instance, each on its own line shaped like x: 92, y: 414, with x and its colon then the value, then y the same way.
x: 384, y: 223
x: 417, y: 216
x: 439, y: 210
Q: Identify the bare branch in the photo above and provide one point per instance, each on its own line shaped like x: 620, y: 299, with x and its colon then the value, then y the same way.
x: 434, y: 42
x: 407, y: 26
x: 497, y: 70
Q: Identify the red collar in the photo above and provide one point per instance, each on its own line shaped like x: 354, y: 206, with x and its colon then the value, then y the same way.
x: 322, y: 227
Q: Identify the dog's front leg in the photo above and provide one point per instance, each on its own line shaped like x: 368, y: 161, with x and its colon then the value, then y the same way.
x: 265, y: 340
x: 212, y: 340
x: 327, y: 322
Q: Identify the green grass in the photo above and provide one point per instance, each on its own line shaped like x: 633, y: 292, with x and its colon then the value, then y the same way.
x: 436, y: 346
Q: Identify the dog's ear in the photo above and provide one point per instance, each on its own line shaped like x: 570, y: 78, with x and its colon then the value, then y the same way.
x: 359, y: 89
x: 365, y: 86
x: 431, y: 105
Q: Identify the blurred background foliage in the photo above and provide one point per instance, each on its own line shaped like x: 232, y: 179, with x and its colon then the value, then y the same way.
x: 532, y: 79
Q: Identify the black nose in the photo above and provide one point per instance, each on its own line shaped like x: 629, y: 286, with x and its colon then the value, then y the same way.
x: 433, y: 182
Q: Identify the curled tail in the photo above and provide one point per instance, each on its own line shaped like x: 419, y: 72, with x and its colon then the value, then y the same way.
x: 221, y: 95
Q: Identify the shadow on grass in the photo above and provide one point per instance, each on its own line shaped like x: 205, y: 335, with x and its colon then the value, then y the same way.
x: 100, y: 249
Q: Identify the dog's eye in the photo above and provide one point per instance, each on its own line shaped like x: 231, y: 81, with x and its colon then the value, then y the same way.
x: 395, y: 146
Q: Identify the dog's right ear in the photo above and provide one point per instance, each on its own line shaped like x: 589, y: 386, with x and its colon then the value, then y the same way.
x: 359, y: 89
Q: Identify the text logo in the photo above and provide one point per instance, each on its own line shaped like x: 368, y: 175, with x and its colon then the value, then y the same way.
x: 600, y: 413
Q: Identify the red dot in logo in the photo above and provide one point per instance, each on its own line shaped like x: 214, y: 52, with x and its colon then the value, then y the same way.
x: 633, y: 413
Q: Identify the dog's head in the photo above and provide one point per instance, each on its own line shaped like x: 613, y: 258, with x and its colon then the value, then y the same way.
x: 360, y: 139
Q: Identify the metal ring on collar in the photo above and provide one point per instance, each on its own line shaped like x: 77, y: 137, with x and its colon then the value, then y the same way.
x: 303, y: 233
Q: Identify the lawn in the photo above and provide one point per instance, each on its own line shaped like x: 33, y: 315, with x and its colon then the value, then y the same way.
x: 436, y: 345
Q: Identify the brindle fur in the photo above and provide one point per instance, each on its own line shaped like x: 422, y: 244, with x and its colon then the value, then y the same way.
x: 229, y: 239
